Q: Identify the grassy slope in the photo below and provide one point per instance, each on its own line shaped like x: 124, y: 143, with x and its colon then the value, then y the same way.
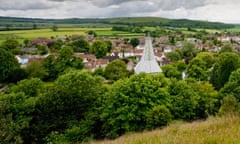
x: 224, y: 130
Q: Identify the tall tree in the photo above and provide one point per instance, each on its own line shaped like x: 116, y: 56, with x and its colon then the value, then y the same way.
x: 129, y: 101
x: 8, y: 64
x: 222, y: 69
x: 80, y: 45
x: 99, y: 48
x: 9, y: 44
x: 64, y: 104
x: 116, y: 70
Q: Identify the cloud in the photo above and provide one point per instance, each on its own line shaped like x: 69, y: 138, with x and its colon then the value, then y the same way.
x: 24, y: 4
x: 212, y: 10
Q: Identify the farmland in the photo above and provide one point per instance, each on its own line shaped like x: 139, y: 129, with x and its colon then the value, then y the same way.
x: 20, y: 35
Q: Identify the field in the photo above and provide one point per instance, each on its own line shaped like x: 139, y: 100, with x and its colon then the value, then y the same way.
x: 225, y: 130
x: 20, y: 35
x: 235, y: 29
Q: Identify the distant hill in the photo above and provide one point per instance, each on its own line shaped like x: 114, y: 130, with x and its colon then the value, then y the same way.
x: 9, y: 23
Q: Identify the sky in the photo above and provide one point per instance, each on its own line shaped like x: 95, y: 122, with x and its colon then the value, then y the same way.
x: 227, y: 11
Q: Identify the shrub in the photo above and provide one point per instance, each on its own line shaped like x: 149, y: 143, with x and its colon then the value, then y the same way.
x: 158, y: 116
x: 229, y: 106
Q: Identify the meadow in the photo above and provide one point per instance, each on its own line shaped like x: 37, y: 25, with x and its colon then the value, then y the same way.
x: 218, y: 130
x: 20, y: 35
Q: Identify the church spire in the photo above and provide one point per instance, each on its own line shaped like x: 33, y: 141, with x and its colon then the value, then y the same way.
x: 148, y: 63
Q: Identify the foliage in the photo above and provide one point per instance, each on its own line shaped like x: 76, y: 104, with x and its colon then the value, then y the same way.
x: 42, y: 49
x: 57, y: 45
x: 18, y: 105
x: 99, y: 49
x: 224, y: 66
x: 208, y: 101
x: 129, y: 101
x: 232, y: 87
x: 174, y: 56
x: 54, y: 28
x: 8, y: 64
x: 199, y: 66
x: 65, y: 60
x: 30, y: 87
x: 227, y: 48
x: 189, y: 50
x: 36, y: 69
x: 134, y: 42
x: 171, y: 71
x: 184, y: 100
x: 91, y: 32
x: 116, y: 70
x: 9, y: 44
x: 80, y: 45
x: 73, y: 94
x: 230, y: 106
x: 158, y: 116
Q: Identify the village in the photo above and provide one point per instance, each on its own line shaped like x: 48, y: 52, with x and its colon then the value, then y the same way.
x: 122, y: 48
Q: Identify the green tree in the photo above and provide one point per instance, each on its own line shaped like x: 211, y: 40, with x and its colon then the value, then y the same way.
x: 65, y: 103
x: 174, y: 56
x: 80, y: 45
x: 36, y: 70
x: 227, y: 48
x: 9, y: 44
x: 42, y: 49
x: 54, y: 28
x: 184, y: 100
x: 230, y: 106
x: 134, y: 42
x: 57, y: 45
x: 232, y: 87
x: 116, y: 70
x: 208, y: 100
x: 18, y: 107
x: 49, y: 64
x: 91, y: 32
x: 158, y: 116
x: 171, y: 71
x: 199, y: 67
x: 224, y: 66
x: 189, y: 51
x: 129, y: 100
x: 30, y: 87
x: 99, y: 49
x: 8, y: 64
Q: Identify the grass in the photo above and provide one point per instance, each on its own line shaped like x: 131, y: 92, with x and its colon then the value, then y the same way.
x: 235, y: 29
x: 20, y: 35
x: 225, y: 130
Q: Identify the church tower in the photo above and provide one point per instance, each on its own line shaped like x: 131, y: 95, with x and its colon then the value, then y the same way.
x: 148, y: 63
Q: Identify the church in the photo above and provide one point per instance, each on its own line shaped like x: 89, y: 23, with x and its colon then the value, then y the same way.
x: 148, y: 63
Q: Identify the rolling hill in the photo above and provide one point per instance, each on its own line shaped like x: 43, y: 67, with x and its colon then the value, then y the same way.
x: 10, y: 23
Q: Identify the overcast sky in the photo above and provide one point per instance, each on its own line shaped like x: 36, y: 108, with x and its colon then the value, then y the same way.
x: 227, y: 11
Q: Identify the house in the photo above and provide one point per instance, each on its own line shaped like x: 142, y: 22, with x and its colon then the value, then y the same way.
x: 89, y: 60
x: 28, y: 50
x: 101, y: 63
x: 224, y: 39
x: 45, y: 41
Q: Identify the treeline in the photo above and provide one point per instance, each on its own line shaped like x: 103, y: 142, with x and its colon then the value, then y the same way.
x: 133, y: 21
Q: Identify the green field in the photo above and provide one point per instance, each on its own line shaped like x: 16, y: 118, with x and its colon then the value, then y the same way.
x: 20, y: 35
x: 235, y: 29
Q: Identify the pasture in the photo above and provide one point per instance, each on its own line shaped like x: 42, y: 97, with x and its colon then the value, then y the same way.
x: 20, y: 35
